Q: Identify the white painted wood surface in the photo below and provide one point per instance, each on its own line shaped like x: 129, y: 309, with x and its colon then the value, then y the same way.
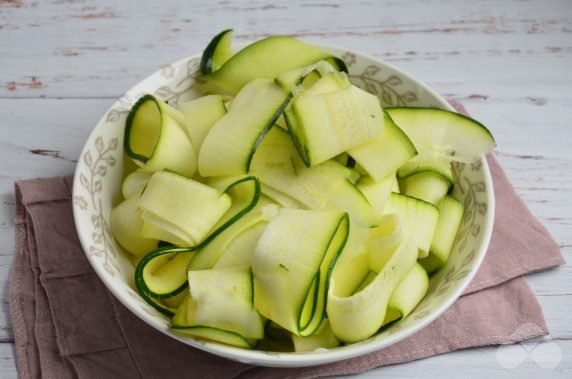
x: 63, y: 62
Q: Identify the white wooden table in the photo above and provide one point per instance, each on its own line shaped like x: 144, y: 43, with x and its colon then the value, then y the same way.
x: 63, y: 62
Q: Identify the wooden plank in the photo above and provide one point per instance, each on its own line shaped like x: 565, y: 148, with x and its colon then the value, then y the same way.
x: 454, y: 35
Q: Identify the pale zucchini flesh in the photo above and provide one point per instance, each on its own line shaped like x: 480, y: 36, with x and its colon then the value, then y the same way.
x: 428, y: 186
x: 229, y: 146
x: 450, y: 217
x: 266, y: 59
x: 155, y: 139
x: 217, y: 52
x: 291, y: 268
x: 419, y: 219
x: 386, y: 152
x: 407, y: 294
x: 444, y: 133
x: 200, y: 115
x: 182, y: 206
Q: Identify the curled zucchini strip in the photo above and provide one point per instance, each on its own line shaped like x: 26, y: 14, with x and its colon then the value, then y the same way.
x: 221, y: 300
x: 135, y: 183
x: 324, y: 338
x: 386, y: 152
x: 292, y: 265
x: 357, y: 317
x: 407, y: 294
x: 183, y: 207
x: 126, y: 224
x: 155, y: 138
x: 162, y: 273
x: 230, y: 144
x: 218, y: 51
x: 322, y: 187
x: 273, y: 55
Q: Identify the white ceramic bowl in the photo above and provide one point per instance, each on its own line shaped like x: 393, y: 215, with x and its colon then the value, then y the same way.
x: 97, y: 188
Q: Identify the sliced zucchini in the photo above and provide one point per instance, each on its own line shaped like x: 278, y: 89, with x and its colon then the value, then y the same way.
x: 384, y: 239
x: 385, y: 153
x: 240, y: 251
x: 163, y: 273
x: 377, y: 193
x: 200, y: 115
x: 217, y: 52
x: 281, y: 198
x: 304, y: 76
x: 444, y: 133
x: 214, y: 334
x: 292, y: 267
x: 181, y: 206
x: 149, y: 270
x: 226, y: 242
x: 428, y: 186
x: 266, y: 59
x: 419, y: 219
x: 324, y: 338
x: 407, y: 294
x: 126, y: 226
x: 424, y: 163
x: 229, y: 146
x: 450, y: 217
x: 155, y: 139
x: 135, y: 182
x: 330, y: 123
x: 322, y: 187
x: 359, y: 316
x: 221, y: 299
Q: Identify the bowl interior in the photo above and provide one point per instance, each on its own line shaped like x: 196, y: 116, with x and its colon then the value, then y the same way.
x: 97, y: 188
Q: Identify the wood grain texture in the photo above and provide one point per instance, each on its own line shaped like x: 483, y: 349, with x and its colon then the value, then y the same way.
x: 63, y: 63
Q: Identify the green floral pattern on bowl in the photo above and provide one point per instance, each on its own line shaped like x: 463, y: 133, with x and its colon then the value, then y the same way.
x: 97, y: 188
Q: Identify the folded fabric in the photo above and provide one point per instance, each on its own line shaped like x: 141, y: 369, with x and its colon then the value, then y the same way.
x: 67, y: 324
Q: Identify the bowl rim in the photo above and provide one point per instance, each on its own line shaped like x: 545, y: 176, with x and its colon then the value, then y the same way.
x: 320, y: 356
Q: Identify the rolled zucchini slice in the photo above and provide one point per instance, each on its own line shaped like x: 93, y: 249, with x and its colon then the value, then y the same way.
x: 377, y: 193
x: 444, y: 133
x: 217, y: 52
x: 425, y: 163
x: 326, y: 186
x: 292, y: 267
x: 419, y: 219
x: 385, y: 153
x: 135, y: 182
x: 359, y: 316
x: 126, y: 226
x: 327, y: 124
x: 221, y: 300
x: 200, y: 116
x: 229, y: 146
x: 163, y: 272
x: 324, y: 338
x: 155, y: 138
x: 428, y: 186
x: 266, y: 59
x: 407, y: 294
x: 450, y: 217
x: 181, y: 206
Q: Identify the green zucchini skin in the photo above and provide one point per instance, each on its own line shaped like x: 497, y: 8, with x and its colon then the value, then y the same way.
x: 129, y: 126
x: 208, y: 62
x: 444, y: 133
x: 150, y: 296
x: 274, y: 54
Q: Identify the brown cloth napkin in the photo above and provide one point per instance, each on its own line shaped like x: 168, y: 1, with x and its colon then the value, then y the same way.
x: 67, y: 324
